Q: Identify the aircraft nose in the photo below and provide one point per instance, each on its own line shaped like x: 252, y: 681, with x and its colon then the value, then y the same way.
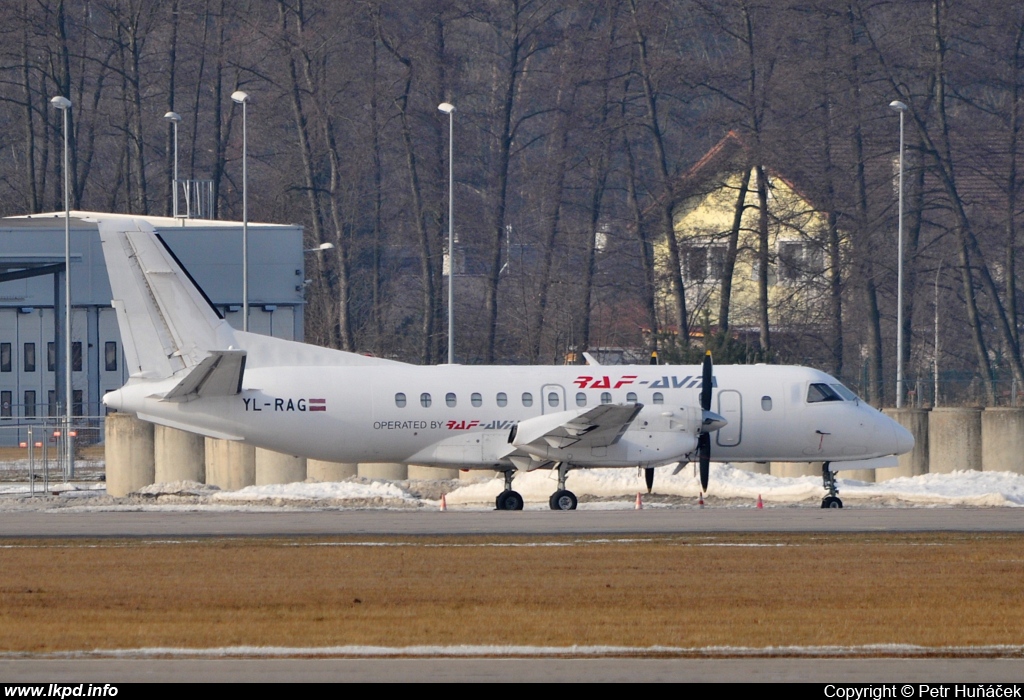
x: 904, y: 439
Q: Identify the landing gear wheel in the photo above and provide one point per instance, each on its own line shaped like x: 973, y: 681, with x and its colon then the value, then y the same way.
x: 509, y: 500
x: 563, y: 500
x: 831, y: 502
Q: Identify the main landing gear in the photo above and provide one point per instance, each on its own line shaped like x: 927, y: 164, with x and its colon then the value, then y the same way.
x: 509, y: 499
x: 828, y: 478
x: 562, y: 499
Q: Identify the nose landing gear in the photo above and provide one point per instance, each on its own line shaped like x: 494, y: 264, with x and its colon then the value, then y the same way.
x: 828, y: 478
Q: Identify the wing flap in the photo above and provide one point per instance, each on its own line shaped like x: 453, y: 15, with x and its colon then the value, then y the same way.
x: 601, y: 426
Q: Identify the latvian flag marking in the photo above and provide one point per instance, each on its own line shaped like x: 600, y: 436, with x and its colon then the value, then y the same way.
x: 318, y: 404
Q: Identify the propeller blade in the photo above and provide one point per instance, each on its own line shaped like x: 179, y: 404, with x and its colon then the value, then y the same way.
x: 704, y: 449
x: 649, y: 478
x: 705, y: 387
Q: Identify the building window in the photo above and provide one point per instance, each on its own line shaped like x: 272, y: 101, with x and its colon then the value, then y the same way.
x: 501, y: 399
x: 581, y: 399
x: 30, y: 404
x: 30, y: 357
x: 704, y: 263
x: 51, y: 403
x: 5, y: 357
x: 400, y: 400
x: 799, y: 260
x: 658, y: 398
x: 425, y: 400
x: 76, y: 403
x: 76, y: 356
x: 5, y: 403
x: 51, y: 357
x: 527, y: 399
x: 476, y: 399
x: 110, y: 355
x: 449, y: 399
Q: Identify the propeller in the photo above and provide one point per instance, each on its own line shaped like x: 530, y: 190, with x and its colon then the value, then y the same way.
x: 710, y: 422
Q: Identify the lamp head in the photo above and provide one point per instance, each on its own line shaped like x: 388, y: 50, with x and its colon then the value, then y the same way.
x: 897, y: 106
x: 239, y: 96
x: 446, y: 107
x: 172, y: 117
x: 60, y: 102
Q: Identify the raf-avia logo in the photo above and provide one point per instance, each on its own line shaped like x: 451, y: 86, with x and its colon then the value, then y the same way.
x: 301, y: 405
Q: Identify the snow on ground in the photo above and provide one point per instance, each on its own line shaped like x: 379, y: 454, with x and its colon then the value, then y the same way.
x: 596, y: 489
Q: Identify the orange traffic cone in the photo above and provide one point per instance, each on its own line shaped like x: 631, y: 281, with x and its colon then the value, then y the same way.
x: 639, y: 503
x: 444, y: 503
x: 700, y: 502
x: 760, y: 503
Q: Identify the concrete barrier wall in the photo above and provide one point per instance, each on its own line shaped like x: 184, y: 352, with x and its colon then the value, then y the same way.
x: 418, y: 472
x: 230, y: 465
x: 276, y: 468
x: 954, y: 440
x: 129, y: 454
x: 915, y: 462
x: 178, y: 455
x: 319, y: 470
x: 794, y: 469
x: 754, y: 467
x: 1002, y: 440
x: 383, y: 470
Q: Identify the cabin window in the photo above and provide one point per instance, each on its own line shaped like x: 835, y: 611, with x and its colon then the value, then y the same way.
x: 817, y: 393
x: 606, y: 397
x: 502, y: 399
x: 766, y: 403
x: 658, y: 398
x: 581, y: 399
x: 553, y: 399
x: 400, y: 400
x: 449, y: 399
x: 425, y: 400
x: 476, y: 399
x: 631, y: 397
x: 527, y: 399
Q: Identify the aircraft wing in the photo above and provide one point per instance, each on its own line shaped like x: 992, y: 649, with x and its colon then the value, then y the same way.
x: 599, y: 426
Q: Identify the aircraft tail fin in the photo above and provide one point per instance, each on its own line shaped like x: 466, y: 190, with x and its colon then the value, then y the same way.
x: 167, y: 326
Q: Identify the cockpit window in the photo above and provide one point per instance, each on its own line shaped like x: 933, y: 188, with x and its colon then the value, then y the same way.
x: 816, y: 393
x: 844, y: 392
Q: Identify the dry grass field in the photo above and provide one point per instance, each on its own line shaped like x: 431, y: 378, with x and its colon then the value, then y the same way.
x: 749, y: 590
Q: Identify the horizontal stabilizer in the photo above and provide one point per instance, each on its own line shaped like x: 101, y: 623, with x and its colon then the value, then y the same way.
x: 220, y: 374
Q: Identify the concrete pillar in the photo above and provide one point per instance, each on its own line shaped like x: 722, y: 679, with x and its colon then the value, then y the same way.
x: 383, y: 470
x: 129, y: 453
x: 230, y: 464
x: 179, y: 455
x: 915, y: 462
x: 754, y: 467
x: 276, y: 468
x: 795, y: 469
x: 1002, y: 440
x: 418, y: 472
x: 319, y: 470
x: 954, y: 440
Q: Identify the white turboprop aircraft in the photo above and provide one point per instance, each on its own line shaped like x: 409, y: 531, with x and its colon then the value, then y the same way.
x: 190, y: 370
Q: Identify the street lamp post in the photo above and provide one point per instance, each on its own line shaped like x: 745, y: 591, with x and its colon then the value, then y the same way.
x: 64, y: 105
x: 449, y: 109
x: 174, y: 118
x: 242, y: 98
x: 901, y: 108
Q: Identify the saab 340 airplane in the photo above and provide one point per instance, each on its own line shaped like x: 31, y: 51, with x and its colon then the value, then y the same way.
x: 190, y: 370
